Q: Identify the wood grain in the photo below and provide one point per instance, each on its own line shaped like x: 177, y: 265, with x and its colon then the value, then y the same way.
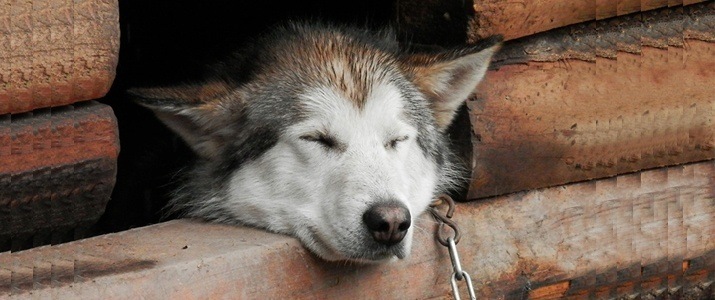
x: 57, y: 171
x: 628, y: 236
x: 56, y: 52
x: 515, y: 19
x: 594, y: 101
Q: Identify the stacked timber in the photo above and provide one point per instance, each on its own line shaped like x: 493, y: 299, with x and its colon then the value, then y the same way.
x: 597, y: 99
x: 593, y: 143
x: 601, y: 239
x: 58, y: 149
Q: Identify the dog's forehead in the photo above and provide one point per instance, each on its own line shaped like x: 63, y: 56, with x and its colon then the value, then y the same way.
x: 330, y: 75
x: 348, y: 65
x: 383, y: 104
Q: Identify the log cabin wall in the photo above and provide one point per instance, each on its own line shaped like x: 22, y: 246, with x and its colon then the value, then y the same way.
x: 596, y: 99
x: 591, y: 145
x: 58, y: 147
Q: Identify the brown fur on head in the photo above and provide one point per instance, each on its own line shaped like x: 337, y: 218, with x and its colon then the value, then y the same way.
x: 350, y: 62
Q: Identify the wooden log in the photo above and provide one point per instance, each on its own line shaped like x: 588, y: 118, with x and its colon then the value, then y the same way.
x: 57, y: 171
x: 515, y: 19
x: 56, y: 52
x: 637, y: 236
x: 596, y: 100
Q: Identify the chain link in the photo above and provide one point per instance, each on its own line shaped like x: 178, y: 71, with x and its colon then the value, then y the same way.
x: 445, y: 219
x: 451, y: 243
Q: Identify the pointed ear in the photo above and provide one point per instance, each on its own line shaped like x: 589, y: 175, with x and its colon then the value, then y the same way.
x: 195, y: 112
x: 449, y: 78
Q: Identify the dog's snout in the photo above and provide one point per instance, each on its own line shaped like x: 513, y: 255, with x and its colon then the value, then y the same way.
x: 387, y: 222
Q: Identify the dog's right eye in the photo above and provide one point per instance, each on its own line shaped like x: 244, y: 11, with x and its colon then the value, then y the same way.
x: 323, y: 139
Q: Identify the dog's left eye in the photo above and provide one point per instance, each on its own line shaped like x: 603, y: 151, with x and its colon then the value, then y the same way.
x: 392, y: 144
x: 322, y: 139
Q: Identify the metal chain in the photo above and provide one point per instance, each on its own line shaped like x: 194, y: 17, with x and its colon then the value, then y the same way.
x: 445, y: 219
x: 451, y: 243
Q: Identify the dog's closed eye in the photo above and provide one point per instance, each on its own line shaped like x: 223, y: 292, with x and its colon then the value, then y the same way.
x: 392, y: 144
x: 323, y: 139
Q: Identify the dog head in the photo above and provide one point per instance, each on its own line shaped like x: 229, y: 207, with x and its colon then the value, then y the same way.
x: 333, y: 135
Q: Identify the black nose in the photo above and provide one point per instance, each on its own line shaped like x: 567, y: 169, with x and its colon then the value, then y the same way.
x: 387, y: 222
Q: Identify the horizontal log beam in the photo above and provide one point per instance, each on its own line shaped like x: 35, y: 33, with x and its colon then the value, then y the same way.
x: 56, y: 52
x: 57, y: 171
x: 596, y: 100
x: 648, y: 234
x: 515, y: 19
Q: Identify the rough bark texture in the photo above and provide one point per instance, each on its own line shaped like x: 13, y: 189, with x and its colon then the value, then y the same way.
x: 56, y: 52
x: 57, y: 170
x: 515, y: 19
x: 595, y: 100
x: 646, y: 235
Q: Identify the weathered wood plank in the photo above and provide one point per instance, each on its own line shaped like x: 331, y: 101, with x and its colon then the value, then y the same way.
x: 57, y: 171
x: 56, y: 52
x: 596, y: 100
x: 515, y: 19
x: 649, y: 234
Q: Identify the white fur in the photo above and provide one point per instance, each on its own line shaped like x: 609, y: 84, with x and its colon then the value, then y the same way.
x: 320, y: 194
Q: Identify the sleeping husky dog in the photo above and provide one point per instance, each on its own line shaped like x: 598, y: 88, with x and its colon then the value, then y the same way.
x: 333, y: 135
